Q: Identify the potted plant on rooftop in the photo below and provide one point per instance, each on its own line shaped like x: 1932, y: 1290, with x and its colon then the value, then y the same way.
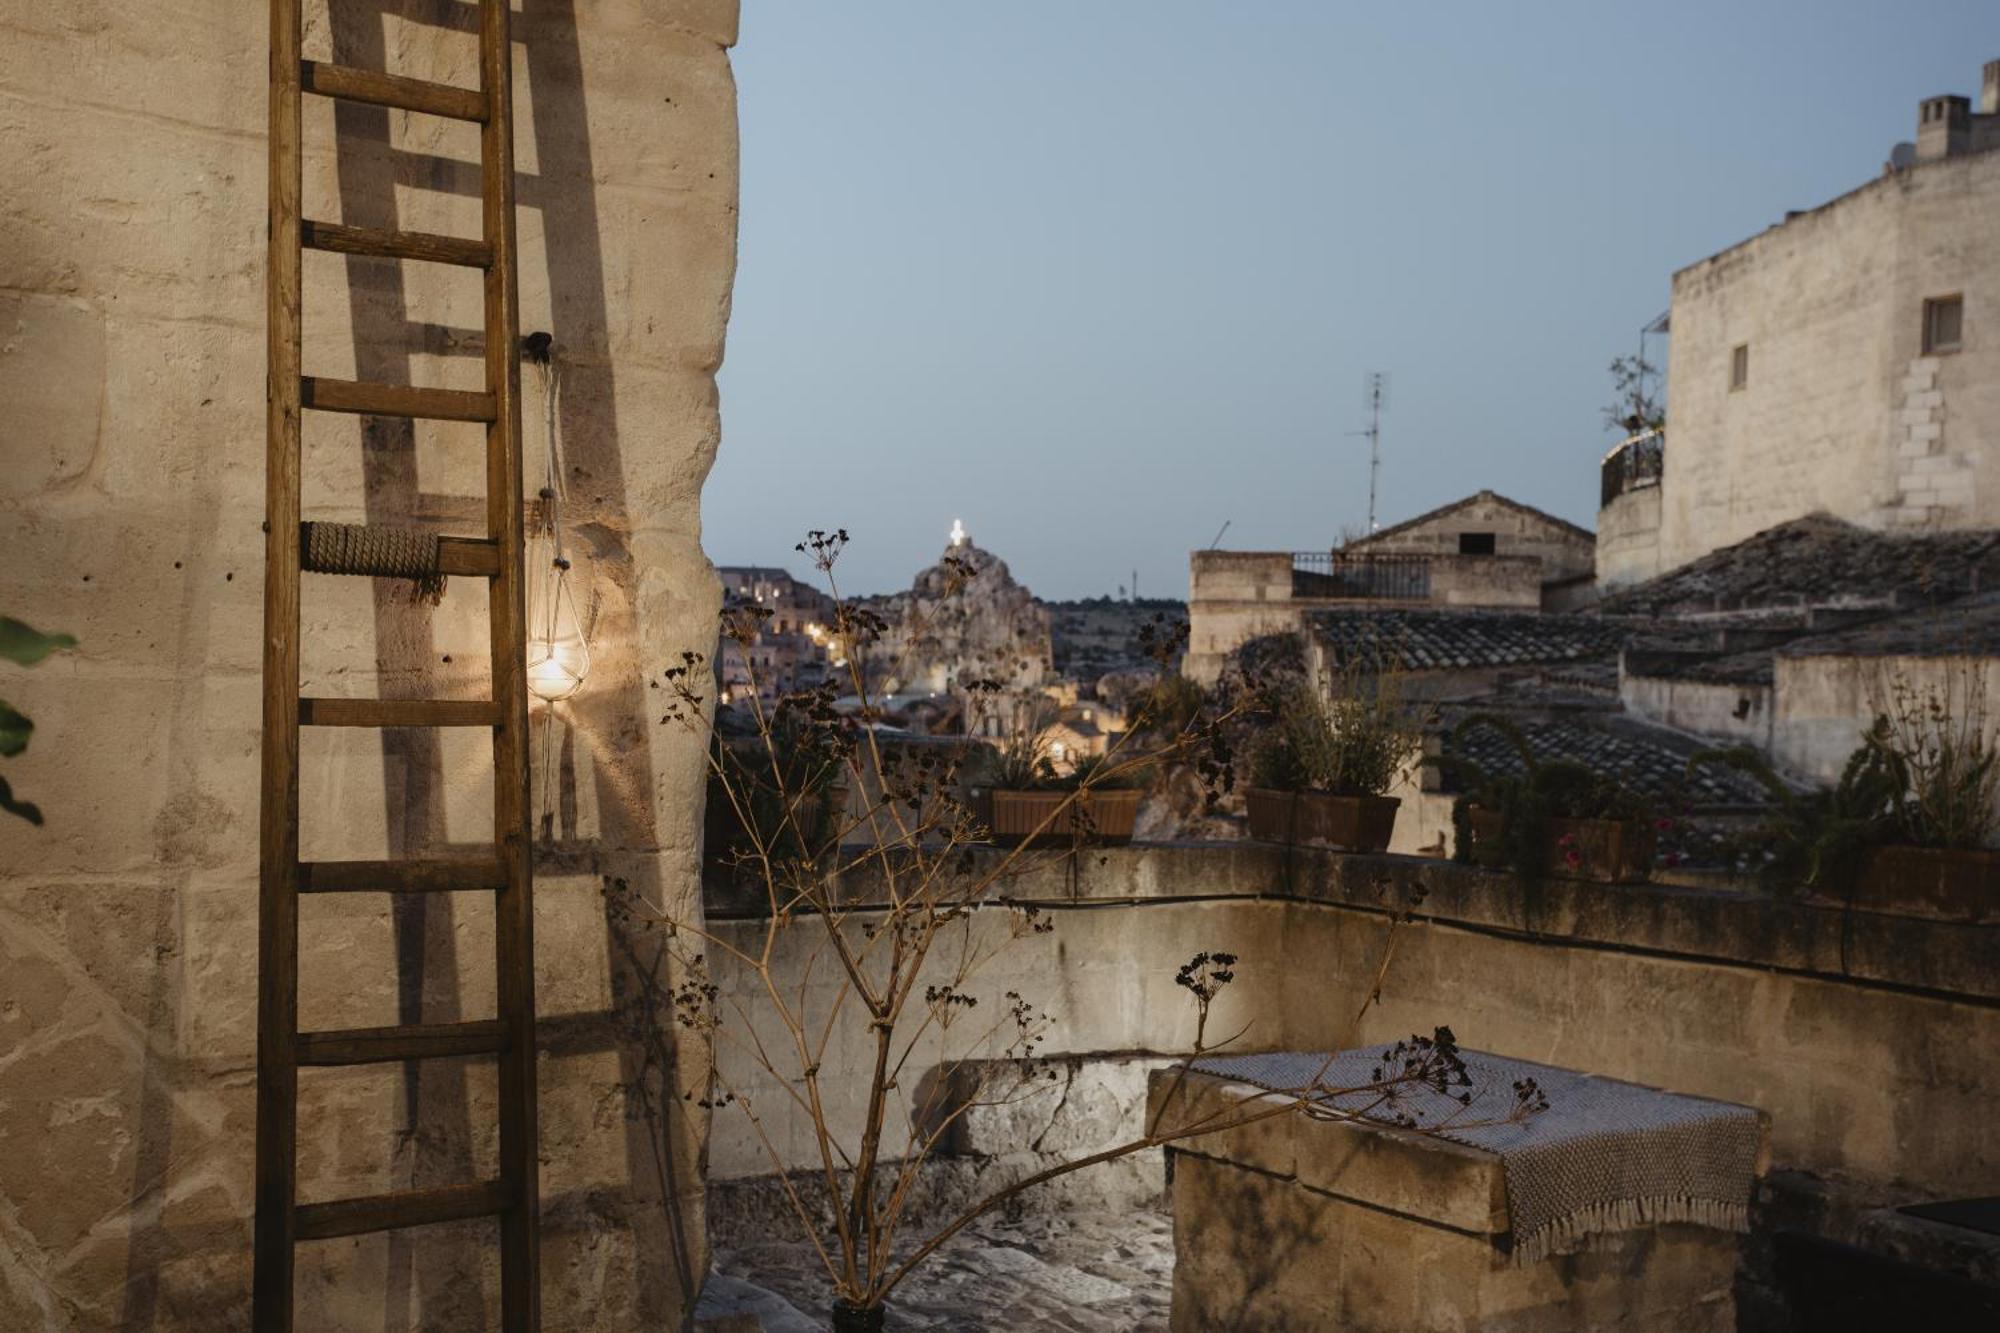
x: 1321, y: 771
x: 1553, y: 817
x: 1905, y: 830
x: 1039, y: 794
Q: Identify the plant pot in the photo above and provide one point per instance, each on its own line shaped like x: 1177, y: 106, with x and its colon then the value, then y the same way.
x: 1486, y: 830
x: 723, y: 832
x: 1608, y: 851
x: 1105, y: 816
x: 1321, y: 819
x: 857, y: 1318
x: 1940, y: 883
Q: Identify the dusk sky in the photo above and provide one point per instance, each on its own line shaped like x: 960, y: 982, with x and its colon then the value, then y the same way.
x: 1100, y: 277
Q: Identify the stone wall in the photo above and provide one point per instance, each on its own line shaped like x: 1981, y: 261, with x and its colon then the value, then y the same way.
x: 1628, y: 539
x: 1823, y: 704
x: 1727, y: 712
x: 1842, y: 411
x: 1233, y: 597
x: 1871, y: 1042
x: 131, y: 378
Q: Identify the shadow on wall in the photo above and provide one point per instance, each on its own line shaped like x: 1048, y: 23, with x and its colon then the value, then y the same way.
x: 440, y: 1276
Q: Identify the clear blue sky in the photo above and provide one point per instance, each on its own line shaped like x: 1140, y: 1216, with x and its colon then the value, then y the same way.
x: 1098, y: 275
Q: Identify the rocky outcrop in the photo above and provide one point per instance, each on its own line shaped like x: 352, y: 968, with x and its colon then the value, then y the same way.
x: 964, y: 619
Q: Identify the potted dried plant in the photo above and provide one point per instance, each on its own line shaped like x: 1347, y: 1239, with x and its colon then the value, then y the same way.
x: 1905, y: 830
x: 1320, y: 773
x: 1552, y: 817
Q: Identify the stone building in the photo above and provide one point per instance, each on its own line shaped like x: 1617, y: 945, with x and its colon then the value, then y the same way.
x: 132, y: 356
x: 1485, y: 551
x: 1844, y: 360
x: 795, y: 644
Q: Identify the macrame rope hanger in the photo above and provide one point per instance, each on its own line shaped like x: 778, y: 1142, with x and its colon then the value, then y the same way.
x: 558, y: 650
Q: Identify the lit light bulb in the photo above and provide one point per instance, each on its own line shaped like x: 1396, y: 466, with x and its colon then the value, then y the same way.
x: 558, y: 656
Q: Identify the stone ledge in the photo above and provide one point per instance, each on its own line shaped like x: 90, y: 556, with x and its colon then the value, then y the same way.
x: 1733, y: 927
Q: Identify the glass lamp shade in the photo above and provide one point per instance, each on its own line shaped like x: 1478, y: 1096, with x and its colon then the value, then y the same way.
x: 558, y: 654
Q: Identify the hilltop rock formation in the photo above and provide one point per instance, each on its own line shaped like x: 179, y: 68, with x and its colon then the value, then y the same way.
x: 964, y: 618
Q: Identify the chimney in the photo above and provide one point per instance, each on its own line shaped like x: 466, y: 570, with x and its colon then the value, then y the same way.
x: 1989, y: 90
x: 1944, y: 127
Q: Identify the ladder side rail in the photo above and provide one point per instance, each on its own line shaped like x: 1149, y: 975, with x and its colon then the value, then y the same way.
x: 275, y: 1227
x: 520, y: 1257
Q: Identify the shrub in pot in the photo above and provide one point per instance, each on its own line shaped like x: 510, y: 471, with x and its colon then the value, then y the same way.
x: 1905, y: 829
x: 779, y: 792
x: 1554, y: 817
x: 1033, y: 802
x: 1319, y: 773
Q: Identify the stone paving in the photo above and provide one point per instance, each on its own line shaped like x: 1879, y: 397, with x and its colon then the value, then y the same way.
x: 1078, y: 1272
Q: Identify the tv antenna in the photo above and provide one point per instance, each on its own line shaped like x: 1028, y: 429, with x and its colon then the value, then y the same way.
x: 1376, y: 392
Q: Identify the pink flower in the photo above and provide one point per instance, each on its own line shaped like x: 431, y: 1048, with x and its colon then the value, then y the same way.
x: 1572, y: 859
x: 1566, y: 840
x: 1663, y: 824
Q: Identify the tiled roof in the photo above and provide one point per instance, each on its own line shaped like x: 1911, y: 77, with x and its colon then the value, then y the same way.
x: 1969, y: 627
x: 1648, y: 759
x: 1819, y: 560
x: 1448, y: 640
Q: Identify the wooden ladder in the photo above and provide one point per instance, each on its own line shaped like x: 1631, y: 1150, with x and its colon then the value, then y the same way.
x: 281, y: 1220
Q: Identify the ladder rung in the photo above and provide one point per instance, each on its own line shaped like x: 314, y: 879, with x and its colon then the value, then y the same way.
x: 394, y: 400
x: 366, y: 1046
x: 398, y: 713
x: 471, y: 556
x: 474, y: 557
x: 383, y: 244
x: 362, y: 85
x: 436, y: 876
x: 405, y: 1208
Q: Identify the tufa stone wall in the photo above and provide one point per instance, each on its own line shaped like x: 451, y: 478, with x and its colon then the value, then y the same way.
x: 1628, y: 539
x: 131, y: 378
x: 1870, y: 1041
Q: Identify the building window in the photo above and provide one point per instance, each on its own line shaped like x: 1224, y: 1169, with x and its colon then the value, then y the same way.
x: 1739, y: 367
x: 1475, y: 543
x: 1944, y: 322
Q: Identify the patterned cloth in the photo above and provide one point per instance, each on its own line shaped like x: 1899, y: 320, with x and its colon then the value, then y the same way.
x: 1605, y: 1156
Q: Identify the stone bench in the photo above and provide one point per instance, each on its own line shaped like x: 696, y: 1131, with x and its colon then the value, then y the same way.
x: 1298, y: 1222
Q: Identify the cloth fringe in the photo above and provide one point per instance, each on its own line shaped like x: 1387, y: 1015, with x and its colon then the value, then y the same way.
x: 1575, y: 1231
x: 389, y: 553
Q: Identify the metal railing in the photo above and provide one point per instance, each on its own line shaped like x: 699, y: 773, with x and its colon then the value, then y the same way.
x: 1392, y: 578
x: 1633, y: 464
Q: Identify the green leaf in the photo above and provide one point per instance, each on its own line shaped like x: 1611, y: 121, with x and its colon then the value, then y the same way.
x: 19, y: 643
x: 14, y: 730
x: 27, y: 810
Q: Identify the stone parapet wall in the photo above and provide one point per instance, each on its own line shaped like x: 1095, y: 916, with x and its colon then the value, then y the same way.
x: 132, y: 351
x: 1870, y: 1041
x: 1628, y: 539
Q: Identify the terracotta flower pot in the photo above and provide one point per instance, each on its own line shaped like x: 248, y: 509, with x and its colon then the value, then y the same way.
x: 1941, y: 883
x: 1321, y: 819
x: 723, y: 831
x: 1609, y: 851
x: 1103, y: 816
x: 1487, y: 829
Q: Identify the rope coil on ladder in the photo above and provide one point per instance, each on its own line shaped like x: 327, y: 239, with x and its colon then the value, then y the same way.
x: 387, y: 553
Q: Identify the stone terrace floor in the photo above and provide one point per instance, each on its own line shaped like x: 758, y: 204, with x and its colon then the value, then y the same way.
x: 1081, y: 1272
